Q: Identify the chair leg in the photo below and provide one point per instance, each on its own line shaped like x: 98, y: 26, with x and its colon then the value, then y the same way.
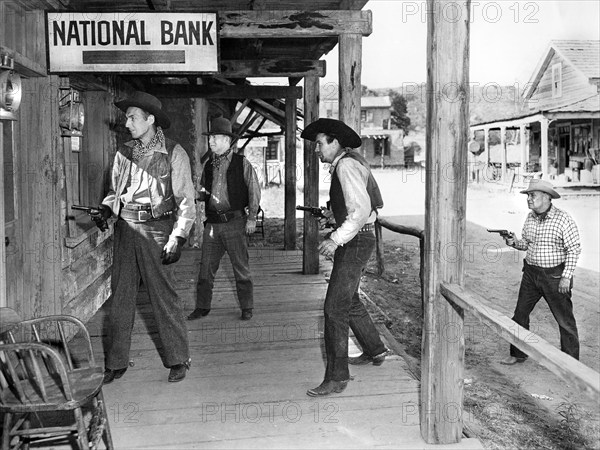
x: 82, y: 438
x: 106, y: 436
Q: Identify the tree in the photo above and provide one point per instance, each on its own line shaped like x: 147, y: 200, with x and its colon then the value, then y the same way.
x: 399, y: 117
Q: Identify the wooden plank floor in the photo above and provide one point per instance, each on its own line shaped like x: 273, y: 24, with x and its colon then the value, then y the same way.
x: 248, y: 381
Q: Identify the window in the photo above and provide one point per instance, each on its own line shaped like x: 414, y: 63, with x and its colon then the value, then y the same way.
x: 363, y: 115
x: 380, y: 147
x: 272, y: 150
x: 557, y: 80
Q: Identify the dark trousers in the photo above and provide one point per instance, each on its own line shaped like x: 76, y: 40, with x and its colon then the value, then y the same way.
x: 538, y: 282
x: 343, y: 308
x: 217, y: 239
x: 136, y: 256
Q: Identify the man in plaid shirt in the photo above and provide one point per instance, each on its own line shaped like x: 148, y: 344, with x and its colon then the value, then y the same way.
x: 551, y: 240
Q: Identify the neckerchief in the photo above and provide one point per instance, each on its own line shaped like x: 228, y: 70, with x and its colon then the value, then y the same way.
x: 217, y: 159
x: 140, y: 150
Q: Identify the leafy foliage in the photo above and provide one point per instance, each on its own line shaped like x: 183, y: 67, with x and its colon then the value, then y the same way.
x: 399, y: 117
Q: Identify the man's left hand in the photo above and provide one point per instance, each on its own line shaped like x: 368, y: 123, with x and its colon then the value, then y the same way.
x: 250, y: 227
x: 172, y: 250
x: 327, y: 248
x: 564, y: 285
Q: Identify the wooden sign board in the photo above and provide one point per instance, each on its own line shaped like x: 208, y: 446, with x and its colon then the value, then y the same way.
x: 132, y: 42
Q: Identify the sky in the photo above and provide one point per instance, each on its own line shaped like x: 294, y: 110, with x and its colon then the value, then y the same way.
x: 508, y: 38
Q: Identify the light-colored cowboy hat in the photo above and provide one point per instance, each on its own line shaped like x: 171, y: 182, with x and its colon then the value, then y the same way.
x: 220, y: 125
x: 345, y: 135
x: 148, y: 103
x: 541, y: 185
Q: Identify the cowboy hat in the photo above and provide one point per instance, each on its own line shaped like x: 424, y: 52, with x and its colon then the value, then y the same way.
x: 541, y: 185
x: 220, y: 125
x: 345, y: 135
x: 148, y: 103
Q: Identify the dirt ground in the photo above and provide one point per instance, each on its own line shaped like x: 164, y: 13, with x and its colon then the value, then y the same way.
x: 524, y: 406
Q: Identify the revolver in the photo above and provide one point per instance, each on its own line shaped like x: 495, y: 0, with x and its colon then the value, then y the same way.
x: 503, y: 233
x: 95, y: 214
x: 88, y: 209
x: 315, y: 212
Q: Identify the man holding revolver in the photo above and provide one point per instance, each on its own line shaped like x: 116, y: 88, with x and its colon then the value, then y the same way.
x: 354, y: 197
x: 551, y: 240
x: 152, y: 195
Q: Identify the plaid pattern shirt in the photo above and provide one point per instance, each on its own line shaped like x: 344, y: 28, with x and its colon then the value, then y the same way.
x: 550, y: 240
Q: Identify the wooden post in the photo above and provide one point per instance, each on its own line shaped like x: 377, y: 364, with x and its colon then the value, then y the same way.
x: 289, y: 232
x: 503, y: 150
x: 442, y: 356
x: 486, y: 143
x: 3, y: 301
x: 379, y: 248
x: 524, y: 156
x: 350, y: 67
x: 544, y: 168
x: 310, y: 252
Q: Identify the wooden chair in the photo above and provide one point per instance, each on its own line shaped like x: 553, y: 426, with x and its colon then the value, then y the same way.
x: 46, y: 378
x: 260, y: 221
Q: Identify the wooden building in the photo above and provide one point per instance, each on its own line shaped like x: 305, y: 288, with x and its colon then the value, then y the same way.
x: 558, y: 138
x: 382, y: 145
x: 59, y: 131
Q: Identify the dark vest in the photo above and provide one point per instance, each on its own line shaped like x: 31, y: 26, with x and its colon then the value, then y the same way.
x: 236, y: 185
x: 338, y: 204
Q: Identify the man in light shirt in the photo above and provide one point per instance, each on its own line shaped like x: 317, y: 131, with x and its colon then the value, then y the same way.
x: 354, y: 198
x: 152, y: 196
x: 551, y: 240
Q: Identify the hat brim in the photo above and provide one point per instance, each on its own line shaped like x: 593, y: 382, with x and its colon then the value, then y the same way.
x: 225, y: 133
x: 550, y: 192
x: 345, y: 135
x: 162, y: 120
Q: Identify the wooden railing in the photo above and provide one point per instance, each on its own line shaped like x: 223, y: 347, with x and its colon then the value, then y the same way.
x: 568, y: 368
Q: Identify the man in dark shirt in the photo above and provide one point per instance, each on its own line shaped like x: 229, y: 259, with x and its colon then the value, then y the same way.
x: 229, y: 185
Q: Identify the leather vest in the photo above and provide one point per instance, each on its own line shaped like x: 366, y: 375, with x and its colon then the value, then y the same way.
x: 338, y: 204
x: 236, y: 185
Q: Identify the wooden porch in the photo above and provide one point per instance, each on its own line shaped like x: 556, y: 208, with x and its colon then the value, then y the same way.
x: 247, y: 386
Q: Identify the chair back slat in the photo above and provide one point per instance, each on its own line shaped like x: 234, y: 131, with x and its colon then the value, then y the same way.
x: 9, y: 372
x: 37, y: 380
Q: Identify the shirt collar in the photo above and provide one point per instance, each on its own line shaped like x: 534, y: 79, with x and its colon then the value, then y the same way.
x: 336, y: 160
x: 549, y: 213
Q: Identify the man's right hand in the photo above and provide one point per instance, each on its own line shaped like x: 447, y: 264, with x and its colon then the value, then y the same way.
x: 509, y: 239
x: 101, y: 218
x: 328, y: 219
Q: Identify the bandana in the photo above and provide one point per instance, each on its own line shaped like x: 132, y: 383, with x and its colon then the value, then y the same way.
x: 140, y: 150
x: 217, y: 159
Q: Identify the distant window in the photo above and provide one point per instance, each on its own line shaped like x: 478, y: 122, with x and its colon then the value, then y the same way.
x: 557, y: 80
x: 380, y: 147
x: 272, y: 150
x: 363, y: 115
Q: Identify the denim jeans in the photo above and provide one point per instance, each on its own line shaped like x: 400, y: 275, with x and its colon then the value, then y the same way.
x: 343, y: 308
x: 217, y: 239
x: 538, y: 282
x: 136, y: 255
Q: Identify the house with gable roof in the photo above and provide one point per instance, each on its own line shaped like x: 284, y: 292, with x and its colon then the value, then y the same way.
x: 557, y: 136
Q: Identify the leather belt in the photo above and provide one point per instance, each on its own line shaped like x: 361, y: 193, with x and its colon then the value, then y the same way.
x: 367, y: 227
x: 136, y: 207
x: 141, y: 213
x: 214, y: 217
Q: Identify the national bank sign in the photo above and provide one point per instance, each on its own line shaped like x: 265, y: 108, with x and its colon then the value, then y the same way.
x: 132, y: 42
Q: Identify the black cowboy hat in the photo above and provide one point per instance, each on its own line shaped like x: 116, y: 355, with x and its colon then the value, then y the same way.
x: 345, y: 135
x: 148, y: 103
x: 220, y: 125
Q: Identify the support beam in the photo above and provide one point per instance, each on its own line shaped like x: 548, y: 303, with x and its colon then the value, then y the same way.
x: 503, y: 155
x: 226, y: 92
x: 241, y: 68
x: 524, y: 155
x: 289, y: 231
x: 310, y: 255
x: 350, y: 68
x: 545, y: 165
x: 293, y: 24
x: 442, y: 357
